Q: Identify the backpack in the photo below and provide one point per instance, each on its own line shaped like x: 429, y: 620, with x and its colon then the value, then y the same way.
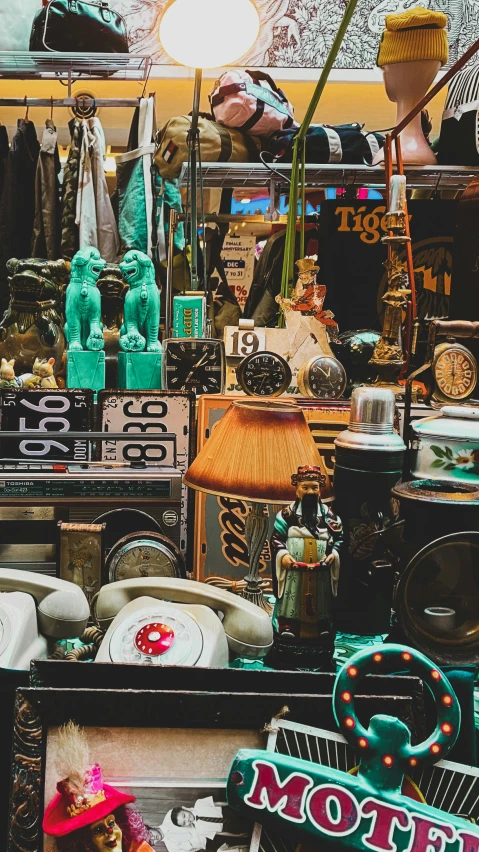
x: 251, y: 102
x: 345, y: 143
x: 218, y: 145
x: 459, y: 138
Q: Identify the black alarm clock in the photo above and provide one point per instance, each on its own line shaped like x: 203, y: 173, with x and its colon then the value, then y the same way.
x: 323, y: 377
x: 264, y: 374
x: 194, y: 364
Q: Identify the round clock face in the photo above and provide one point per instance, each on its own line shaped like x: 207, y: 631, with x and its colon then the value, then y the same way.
x: 194, y: 364
x: 455, y: 372
x: 143, y: 555
x: 264, y: 374
x: 324, y: 377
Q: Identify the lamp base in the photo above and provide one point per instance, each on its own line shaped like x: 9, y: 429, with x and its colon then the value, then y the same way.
x: 256, y: 530
x: 256, y: 596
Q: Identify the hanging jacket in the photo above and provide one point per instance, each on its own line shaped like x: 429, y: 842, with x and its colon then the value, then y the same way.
x: 261, y: 304
x: 134, y: 180
x: 94, y: 215
x: 17, y: 205
x: 70, y: 235
x: 46, y: 229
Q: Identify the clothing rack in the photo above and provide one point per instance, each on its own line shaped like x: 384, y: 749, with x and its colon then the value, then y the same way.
x: 54, y: 103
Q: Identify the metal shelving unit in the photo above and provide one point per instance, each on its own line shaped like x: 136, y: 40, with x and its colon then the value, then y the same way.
x: 242, y: 175
x: 71, y: 67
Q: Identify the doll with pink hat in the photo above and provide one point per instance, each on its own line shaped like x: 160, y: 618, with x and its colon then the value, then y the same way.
x: 87, y: 815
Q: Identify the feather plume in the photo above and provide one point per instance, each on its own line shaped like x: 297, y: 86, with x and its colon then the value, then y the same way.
x: 73, y: 758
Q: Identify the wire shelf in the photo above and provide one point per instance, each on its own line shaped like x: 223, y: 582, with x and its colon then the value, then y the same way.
x: 236, y: 175
x: 95, y: 66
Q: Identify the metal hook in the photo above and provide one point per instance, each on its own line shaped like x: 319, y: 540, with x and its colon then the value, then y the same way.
x: 26, y: 109
x: 51, y: 107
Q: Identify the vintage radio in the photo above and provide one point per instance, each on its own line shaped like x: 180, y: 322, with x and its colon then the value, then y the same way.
x: 34, y: 496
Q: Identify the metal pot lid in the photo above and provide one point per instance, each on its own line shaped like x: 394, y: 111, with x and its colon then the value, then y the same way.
x: 438, y: 491
x: 444, y: 574
x: 459, y: 422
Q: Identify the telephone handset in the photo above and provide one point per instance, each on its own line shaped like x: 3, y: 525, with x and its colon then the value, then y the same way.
x: 36, y: 607
x: 184, y: 629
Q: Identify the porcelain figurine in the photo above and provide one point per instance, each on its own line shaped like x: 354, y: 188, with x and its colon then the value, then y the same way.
x: 87, y: 815
x: 142, y: 305
x: 83, y: 327
x: 32, y: 326
x: 7, y: 374
x: 305, y: 555
x: 308, y: 296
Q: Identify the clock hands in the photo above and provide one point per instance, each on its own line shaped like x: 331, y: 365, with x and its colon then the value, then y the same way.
x: 195, y: 367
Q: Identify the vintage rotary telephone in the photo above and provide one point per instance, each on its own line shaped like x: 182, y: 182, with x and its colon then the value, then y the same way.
x: 145, y: 626
x: 32, y: 608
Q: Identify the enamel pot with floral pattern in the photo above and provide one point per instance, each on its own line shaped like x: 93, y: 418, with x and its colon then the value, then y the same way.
x: 446, y: 446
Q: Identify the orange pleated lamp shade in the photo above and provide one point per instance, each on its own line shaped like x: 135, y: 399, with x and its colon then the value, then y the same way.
x: 253, y: 452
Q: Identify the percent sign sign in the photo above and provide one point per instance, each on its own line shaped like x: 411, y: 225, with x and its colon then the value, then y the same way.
x: 367, y: 811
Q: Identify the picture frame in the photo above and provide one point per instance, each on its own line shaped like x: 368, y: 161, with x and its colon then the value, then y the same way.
x: 81, y: 556
x: 120, y: 721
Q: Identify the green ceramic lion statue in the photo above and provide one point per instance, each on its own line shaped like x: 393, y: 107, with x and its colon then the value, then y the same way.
x: 83, y: 327
x: 142, y: 305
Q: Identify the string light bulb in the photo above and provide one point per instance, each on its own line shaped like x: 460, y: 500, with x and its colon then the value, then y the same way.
x: 208, y: 33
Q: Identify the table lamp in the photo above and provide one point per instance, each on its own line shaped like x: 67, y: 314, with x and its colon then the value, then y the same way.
x: 205, y: 34
x: 251, y: 455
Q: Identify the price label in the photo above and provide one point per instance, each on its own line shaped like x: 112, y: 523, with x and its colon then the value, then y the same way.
x: 240, y: 342
x: 139, y: 412
x: 238, y: 260
x: 44, y: 411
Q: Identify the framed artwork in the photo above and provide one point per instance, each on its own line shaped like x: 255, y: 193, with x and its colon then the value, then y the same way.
x: 81, y: 556
x: 169, y: 749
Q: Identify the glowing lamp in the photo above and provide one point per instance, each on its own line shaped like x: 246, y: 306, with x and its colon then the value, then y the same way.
x: 208, y: 33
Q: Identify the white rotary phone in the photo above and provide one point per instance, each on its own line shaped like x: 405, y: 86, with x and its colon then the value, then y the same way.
x: 32, y: 608
x: 203, y: 627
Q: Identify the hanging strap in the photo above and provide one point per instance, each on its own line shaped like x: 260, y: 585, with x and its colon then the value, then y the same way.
x: 334, y: 142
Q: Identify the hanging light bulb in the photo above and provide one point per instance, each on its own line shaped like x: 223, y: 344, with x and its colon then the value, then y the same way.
x: 208, y: 33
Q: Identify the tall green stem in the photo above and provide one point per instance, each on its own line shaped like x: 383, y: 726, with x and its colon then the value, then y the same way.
x: 298, y: 188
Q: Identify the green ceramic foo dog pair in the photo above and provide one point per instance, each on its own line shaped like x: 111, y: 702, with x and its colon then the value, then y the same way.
x: 84, y: 328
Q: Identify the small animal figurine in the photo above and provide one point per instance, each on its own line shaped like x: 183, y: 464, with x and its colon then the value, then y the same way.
x: 83, y: 328
x: 142, y: 305
x: 44, y: 370
x: 7, y: 374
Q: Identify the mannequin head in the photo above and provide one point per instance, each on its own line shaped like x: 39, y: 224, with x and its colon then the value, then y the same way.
x: 409, y: 80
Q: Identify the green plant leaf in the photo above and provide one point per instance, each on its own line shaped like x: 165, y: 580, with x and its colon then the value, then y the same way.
x: 437, y: 463
x: 450, y: 467
x: 438, y: 451
x: 448, y: 452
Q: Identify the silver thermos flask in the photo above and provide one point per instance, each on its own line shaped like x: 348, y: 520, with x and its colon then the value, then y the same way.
x: 369, y: 460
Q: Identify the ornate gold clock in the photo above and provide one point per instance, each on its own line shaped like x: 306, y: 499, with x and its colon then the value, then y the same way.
x: 455, y: 372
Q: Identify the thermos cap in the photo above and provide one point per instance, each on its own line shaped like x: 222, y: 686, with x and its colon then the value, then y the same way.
x: 371, y: 424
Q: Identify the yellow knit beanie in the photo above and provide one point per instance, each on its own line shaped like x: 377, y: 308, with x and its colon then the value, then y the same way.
x: 416, y: 34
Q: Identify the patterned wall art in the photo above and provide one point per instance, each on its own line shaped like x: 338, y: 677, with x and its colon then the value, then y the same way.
x: 294, y: 33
